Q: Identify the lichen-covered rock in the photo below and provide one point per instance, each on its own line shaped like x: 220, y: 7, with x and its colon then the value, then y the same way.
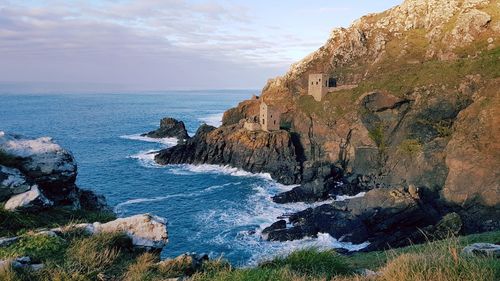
x: 146, y: 231
x: 42, y: 161
x: 12, y: 182
x: 482, y: 250
x: 169, y: 128
x: 32, y: 200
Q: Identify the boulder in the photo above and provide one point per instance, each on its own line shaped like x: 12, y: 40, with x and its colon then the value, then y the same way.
x: 20, y: 262
x: 279, y: 225
x: 169, y: 128
x: 32, y: 200
x: 146, y: 231
x: 482, y: 249
x: 12, y: 182
x: 7, y: 241
x: 40, y: 160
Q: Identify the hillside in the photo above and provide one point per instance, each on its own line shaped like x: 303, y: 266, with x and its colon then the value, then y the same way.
x: 414, y: 123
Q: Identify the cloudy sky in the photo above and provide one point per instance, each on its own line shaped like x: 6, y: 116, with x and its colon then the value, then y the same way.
x: 165, y: 44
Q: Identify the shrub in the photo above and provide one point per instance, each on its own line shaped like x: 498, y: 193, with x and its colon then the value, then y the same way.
x: 377, y: 135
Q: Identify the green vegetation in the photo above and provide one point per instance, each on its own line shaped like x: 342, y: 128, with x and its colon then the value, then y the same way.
x: 14, y: 223
x: 439, y: 260
x: 410, y: 147
x: 399, y: 78
x: 313, y: 263
x: 377, y: 135
x: 37, y: 247
x: 110, y: 256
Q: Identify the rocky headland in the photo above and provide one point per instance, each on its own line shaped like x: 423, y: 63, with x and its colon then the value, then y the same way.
x: 414, y: 125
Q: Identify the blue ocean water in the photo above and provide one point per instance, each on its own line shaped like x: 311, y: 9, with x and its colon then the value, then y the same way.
x: 210, y: 209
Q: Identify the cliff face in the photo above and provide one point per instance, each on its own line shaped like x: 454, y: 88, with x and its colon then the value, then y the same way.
x: 256, y: 152
x: 414, y: 123
x: 421, y: 92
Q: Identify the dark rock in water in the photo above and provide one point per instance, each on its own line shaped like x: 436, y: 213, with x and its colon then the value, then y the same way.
x: 325, y: 219
x: 281, y: 224
x: 169, y: 128
x: 321, y: 181
x: 384, y: 217
x: 256, y: 152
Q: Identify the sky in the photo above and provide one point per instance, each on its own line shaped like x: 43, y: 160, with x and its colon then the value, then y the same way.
x: 166, y: 44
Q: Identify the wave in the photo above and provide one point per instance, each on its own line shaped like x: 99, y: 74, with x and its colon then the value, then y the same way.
x: 323, y: 241
x: 258, y: 212
x: 119, y: 208
x: 345, y: 197
x: 146, y: 158
x: 190, y: 169
x: 213, y: 119
x: 168, y: 142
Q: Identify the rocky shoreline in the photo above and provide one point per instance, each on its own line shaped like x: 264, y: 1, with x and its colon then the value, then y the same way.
x: 423, y: 147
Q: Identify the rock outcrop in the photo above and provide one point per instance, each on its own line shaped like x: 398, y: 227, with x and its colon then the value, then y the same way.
x: 146, y: 232
x: 482, y: 250
x: 31, y: 200
x: 38, y: 173
x: 383, y: 217
x: 12, y: 182
x: 169, y: 128
x: 416, y: 110
x: 421, y: 111
x: 257, y: 152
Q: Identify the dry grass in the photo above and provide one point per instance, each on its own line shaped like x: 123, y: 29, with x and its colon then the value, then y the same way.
x: 142, y: 269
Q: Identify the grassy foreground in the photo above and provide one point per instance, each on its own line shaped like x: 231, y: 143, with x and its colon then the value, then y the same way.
x: 111, y: 257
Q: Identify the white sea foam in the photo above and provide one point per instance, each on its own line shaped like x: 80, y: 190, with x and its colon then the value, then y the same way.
x: 188, y: 169
x: 345, y: 197
x: 212, y: 119
x: 259, y: 212
x: 168, y: 142
x: 146, y: 158
x: 264, y: 250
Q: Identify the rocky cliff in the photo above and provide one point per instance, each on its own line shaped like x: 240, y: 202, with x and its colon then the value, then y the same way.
x: 417, y: 108
x: 256, y: 152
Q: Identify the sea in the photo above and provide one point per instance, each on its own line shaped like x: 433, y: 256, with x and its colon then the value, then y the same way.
x: 218, y: 210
